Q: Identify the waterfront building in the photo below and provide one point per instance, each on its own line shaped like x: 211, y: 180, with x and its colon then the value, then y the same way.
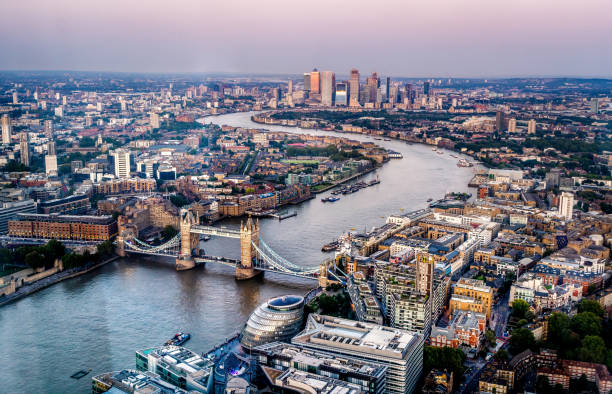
x: 370, y: 376
x: 178, y: 366
x: 122, y: 163
x: 277, y: 319
x: 71, y: 205
x: 566, y: 205
x: 354, y: 88
x: 7, y: 129
x: 472, y: 295
x: 9, y: 210
x: 133, y: 382
x: 399, y: 350
x: 63, y: 227
x: 328, y: 87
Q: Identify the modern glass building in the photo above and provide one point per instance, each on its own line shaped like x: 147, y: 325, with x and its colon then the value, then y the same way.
x: 278, y: 319
x: 341, y: 94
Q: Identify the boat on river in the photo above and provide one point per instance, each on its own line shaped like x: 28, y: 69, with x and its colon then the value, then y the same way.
x: 178, y: 339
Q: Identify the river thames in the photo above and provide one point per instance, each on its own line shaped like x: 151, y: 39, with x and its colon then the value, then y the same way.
x: 97, y: 321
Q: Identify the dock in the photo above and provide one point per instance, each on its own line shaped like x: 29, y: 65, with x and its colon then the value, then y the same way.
x: 283, y: 216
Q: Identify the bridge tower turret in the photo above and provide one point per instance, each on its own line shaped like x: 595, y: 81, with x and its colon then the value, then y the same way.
x: 249, y: 235
x: 189, y: 241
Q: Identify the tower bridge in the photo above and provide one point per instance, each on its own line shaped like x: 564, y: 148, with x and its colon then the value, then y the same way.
x: 256, y: 256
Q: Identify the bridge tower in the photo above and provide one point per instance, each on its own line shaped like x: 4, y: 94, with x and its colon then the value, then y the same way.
x: 249, y: 235
x: 189, y: 241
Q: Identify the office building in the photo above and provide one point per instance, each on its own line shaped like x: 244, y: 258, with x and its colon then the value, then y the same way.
x: 72, y: 205
x: 15, y: 98
x: 399, y: 350
x: 566, y: 205
x: 315, y: 82
x: 426, y: 88
x: 51, y: 148
x: 178, y: 366
x: 341, y: 94
x: 122, y: 163
x: 277, y: 319
x: 354, y: 88
x: 388, y: 89
x: 372, y: 83
x: 9, y: 210
x: 595, y: 105
x: 24, y: 149
x: 328, y: 87
x: 7, y: 129
x: 531, y: 127
x: 306, y: 82
x: 278, y: 356
x: 290, y: 87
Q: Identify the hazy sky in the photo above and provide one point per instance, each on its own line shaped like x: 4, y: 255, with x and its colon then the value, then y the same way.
x: 400, y: 38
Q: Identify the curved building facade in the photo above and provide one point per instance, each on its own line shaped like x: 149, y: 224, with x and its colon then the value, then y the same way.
x: 278, y: 319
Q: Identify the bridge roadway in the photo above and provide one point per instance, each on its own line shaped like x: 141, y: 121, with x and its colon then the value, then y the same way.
x: 216, y: 231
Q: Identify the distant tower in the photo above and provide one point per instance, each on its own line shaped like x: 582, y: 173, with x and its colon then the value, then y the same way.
x: 290, y: 87
x: 531, y: 127
x: 315, y: 82
x: 512, y: 125
x: 328, y: 87
x: 426, y: 88
x: 354, y: 88
x: 24, y: 149
x: 499, y: 120
x: 7, y: 129
x: 49, y: 128
x: 51, y: 148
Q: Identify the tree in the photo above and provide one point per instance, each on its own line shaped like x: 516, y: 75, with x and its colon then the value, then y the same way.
x: 444, y: 358
x: 593, y: 349
x: 521, y: 339
x: 520, y: 308
x: 490, y: 338
x: 56, y: 249
x: 586, y: 323
x: 502, y: 356
x: 168, y: 232
x: 35, y: 260
x: 105, y: 248
x: 591, y: 306
x: 179, y: 200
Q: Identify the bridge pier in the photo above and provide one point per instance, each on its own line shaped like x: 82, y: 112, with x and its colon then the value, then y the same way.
x: 189, y: 242
x: 244, y: 273
x: 249, y: 234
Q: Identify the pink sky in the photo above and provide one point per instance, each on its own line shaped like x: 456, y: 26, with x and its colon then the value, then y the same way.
x: 400, y: 38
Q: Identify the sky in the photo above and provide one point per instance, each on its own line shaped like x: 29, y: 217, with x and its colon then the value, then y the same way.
x: 407, y: 38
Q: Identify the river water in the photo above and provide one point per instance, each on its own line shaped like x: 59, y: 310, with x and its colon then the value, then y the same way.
x: 100, y: 319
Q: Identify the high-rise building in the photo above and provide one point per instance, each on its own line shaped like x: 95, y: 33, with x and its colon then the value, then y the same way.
x: 388, y: 90
x: 15, y: 98
x: 425, y: 266
x: 51, y: 164
x: 531, y: 127
x: 342, y: 94
x: 426, y: 88
x: 7, y: 129
x: 553, y: 178
x: 290, y: 87
x: 51, y: 148
x: 49, y: 128
x: 595, y: 105
x: 373, y: 83
x: 512, y: 125
x: 354, y: 88
x: 566, y: 205
x: 499, y: 121
x: 122, y: 163
x: 306, y: 82
x: 328, y: 86
x: 399, y: 350
x: 154, y: 120
x: 315, y: 82
x: 24, y: 149
x: 59, y: 111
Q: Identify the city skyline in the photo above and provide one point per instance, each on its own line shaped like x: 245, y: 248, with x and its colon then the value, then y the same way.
x: 471, y: 39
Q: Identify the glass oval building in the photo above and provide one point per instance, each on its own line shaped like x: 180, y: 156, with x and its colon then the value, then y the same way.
x: 278, y: 319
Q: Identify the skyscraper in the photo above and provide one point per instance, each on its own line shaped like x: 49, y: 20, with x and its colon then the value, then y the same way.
x: 388, y: 91
x: 354, y: 88
x: 499, y: 121
x: 531, y: 127
x: 315, y: 82
x: 341, y: 94
x: 290, y: 87
x: 373, y: 83
x: 426, y: 88
x: 7, y: 129
x: 49, y: 128
x: 306, y: 82
x: 15, y: 98
x: 122, y: 163
x: 24, y: 149
x: 512, y: 125
x: 328, y: 87
x: 566, y: 205
x: 51, y: 148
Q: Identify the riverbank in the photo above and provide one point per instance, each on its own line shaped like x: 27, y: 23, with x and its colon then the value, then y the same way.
x: 51, y: 280
x: 345, y: 180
